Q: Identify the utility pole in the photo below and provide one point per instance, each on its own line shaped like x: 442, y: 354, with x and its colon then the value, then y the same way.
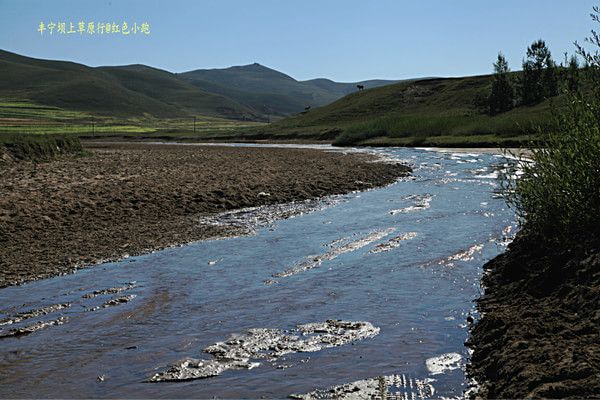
x: 93, y: 127
x: 194, y: 124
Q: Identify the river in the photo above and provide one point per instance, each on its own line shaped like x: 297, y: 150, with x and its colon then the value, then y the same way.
x: 404, y: 260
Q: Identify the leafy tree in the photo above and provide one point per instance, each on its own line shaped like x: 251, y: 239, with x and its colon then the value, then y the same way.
x: 540, y: 77
x: 502, y: 96
x: 557, y: 196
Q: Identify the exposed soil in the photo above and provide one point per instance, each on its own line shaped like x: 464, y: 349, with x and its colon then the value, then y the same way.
x: 130, y: 198
x: 539, y: 336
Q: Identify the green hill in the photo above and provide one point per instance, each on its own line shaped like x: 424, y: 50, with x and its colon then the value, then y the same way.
x: 116, y: 91
x: 271, y: 92
x: 435, y: 111
x: 250, y: 92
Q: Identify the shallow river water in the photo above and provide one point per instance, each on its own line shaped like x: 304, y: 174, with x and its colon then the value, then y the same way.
x: 406, y: 259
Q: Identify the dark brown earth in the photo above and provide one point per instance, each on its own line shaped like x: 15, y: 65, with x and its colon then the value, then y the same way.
x: 539, y: 336
x: 131, y: 198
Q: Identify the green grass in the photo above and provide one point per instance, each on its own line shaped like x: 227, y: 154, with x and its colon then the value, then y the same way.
x: 26, y: 109
x: 51, y: 97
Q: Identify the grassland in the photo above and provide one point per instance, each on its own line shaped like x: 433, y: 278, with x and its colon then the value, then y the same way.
x: 250, y: 92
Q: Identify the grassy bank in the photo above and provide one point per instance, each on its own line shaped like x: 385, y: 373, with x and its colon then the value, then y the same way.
x: 538, y: 334
x: 38, y: 147
x: 430, y: 112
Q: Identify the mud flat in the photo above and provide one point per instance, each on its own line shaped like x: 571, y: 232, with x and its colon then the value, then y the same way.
x: 539, y: 334
x: 131, y: 198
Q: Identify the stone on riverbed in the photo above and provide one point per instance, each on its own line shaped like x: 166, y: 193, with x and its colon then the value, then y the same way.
x: 191, y: 368
x: 393, y: 242
x: 115, y: 302
x: 239, y: 350
x: 113, y: 290
x: 25, y: 330
x: 20, y: 316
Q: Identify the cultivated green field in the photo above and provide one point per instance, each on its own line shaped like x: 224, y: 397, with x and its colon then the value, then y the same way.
x: 26, y: 117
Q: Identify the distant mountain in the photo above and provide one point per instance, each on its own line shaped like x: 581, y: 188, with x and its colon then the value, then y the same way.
x: 249, y: 92
x: 271, y: 92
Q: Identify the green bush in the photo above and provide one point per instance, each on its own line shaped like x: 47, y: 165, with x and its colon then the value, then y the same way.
x: 558, y: 194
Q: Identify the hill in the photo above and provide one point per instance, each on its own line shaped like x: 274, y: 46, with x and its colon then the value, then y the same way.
x: 434, y: 111
x: 271, y: 92
x: 117, y: 91
x: 250, y: 92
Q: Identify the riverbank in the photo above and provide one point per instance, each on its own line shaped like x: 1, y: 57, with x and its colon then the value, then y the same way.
x: 132, y: 198
x: 538, y: 335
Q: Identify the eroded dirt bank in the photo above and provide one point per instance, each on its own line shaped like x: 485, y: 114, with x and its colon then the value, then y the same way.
x: 540, y: 331
x: 130, y: 198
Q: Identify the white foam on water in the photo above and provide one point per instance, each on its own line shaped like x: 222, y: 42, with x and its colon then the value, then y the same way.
x: 443, y: 363
x: 380, y: 387
x: 316, y: 260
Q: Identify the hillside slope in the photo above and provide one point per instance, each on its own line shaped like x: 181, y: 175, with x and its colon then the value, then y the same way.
x: 271, y: 92
x: 435, y: 111
x: 120, y: 91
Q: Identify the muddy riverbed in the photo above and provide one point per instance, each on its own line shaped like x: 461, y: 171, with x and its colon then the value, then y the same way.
x: 354, y: 296
x: 132, y: 198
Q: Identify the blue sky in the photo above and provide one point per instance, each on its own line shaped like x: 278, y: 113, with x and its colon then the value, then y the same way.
x: 344, y: 40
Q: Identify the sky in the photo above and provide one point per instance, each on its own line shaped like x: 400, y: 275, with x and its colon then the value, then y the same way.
x: 343, y: 40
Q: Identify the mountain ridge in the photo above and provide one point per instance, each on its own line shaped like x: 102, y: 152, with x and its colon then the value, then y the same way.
x: 244, y: 92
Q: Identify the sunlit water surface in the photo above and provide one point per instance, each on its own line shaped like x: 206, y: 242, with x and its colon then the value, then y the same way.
x: 414, y: 274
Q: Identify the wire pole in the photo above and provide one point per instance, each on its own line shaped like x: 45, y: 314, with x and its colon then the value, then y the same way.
x: 194, y: 124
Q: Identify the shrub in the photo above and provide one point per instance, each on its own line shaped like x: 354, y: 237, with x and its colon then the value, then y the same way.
x: 558, y: 194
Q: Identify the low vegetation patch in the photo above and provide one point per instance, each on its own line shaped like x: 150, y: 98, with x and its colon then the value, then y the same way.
x: 38, y: 147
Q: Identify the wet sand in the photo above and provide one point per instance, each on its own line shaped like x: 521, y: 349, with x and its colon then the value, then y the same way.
x: 132, y: 198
